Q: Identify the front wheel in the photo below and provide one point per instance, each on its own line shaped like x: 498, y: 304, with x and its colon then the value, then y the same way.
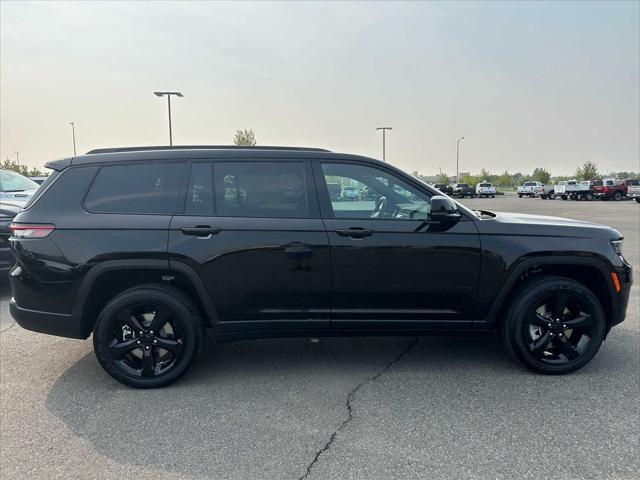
x: 148, y: 336
x: 552, y: 196
x: 519, y: 195
x: 554, y: 325
x: 617, y: 196
x: 637, y: 199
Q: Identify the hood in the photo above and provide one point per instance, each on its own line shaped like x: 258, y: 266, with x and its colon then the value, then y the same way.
x: 15, y: 199
x: 541, y: 225
x: 9, y: 210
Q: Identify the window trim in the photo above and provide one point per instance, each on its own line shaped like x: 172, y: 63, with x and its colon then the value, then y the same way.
x: 182, y: 162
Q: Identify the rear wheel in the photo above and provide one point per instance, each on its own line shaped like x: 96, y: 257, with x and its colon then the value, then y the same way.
x: 617, y: 196
x: 552, y: 196
x: 554, y: 325
x: 637, y: 199
x: 148, y: 336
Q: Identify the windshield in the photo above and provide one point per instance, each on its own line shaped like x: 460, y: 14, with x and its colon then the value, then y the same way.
x: 14, y: 182
x: 485, y: 185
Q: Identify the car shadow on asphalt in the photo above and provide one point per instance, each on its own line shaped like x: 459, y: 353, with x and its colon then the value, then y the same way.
x: 261, y: 409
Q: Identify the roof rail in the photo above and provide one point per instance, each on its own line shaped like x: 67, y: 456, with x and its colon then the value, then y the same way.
x: 199, y: 147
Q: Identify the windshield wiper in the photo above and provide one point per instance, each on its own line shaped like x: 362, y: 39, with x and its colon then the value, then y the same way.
x: 13, y: 191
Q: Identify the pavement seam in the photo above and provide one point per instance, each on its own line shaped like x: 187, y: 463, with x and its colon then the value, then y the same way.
x: 8, y: 328
x: 350, y: 397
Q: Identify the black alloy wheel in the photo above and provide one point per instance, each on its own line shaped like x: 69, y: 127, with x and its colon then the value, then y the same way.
x: 559, y: 329
x: 148, y: 336
x: 554, y: 325
x: 146, y: 340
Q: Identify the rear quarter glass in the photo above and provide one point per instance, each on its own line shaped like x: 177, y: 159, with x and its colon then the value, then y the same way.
x: 48, y: 181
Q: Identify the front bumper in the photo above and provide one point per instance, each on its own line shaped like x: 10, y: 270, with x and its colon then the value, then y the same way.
x: 60, y: 324
x: 621, y: 298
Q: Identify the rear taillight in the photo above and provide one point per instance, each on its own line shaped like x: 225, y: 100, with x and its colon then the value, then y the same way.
x: 22, y: 230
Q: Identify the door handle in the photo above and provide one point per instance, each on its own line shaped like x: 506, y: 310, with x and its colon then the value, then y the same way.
x: 355, y: 232
x: 201, y: 230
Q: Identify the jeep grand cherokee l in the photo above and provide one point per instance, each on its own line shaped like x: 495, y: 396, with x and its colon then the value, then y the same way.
x: 147, y: 247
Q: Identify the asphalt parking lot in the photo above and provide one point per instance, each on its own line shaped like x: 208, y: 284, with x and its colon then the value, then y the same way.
x: 433, y: 408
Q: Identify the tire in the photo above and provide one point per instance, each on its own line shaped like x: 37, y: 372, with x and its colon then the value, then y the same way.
x: 552, y: 195
x: 589, y: 196
x: 543, y: 197
x: 617, y: 196
x: 637, y: 199
x: 524, y: 341
x: 578, y: 197
x: 564, y: 197
x: 519, y: 195
x: 137, y: 308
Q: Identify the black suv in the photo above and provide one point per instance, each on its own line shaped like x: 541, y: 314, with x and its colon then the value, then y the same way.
x: 147, y: 247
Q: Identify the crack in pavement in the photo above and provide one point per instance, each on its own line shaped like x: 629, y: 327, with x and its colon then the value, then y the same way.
x: 8, y: 328
x: 350, y: 397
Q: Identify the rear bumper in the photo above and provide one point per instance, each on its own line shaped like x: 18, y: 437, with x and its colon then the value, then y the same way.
x: 60, y: 324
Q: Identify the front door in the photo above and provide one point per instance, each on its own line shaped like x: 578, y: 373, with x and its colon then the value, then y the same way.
x: 391, y: 266
x: 252, y: 231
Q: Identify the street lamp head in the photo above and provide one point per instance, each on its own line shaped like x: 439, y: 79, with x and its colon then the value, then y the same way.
x: 162, y: 94
x: 384, y: 128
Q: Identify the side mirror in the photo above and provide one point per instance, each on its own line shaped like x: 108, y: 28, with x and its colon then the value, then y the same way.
x: 444, y: 209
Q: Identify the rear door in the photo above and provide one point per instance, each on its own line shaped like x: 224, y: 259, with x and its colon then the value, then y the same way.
x: 391, y: 267
x: 252, y: 231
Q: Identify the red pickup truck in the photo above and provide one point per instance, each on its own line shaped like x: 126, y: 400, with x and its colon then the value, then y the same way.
x: 609, y: 188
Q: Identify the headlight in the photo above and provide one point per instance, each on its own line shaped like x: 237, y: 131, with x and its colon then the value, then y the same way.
x: 617, y: 246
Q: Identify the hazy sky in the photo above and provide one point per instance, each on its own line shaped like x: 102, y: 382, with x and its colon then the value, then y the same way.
x: 527, y: 84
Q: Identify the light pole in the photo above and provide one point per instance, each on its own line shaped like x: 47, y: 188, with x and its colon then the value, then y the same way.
x: 73, y: 132
x: 458, y: 159
x: 384, y: 141
x: 168, y: 95
x: 18, y: 158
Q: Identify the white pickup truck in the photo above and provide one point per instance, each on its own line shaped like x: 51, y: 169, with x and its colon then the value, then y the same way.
x: 536, y: 189
x: 485, y: 189
x: 633, y: 189
x: 574, y: 190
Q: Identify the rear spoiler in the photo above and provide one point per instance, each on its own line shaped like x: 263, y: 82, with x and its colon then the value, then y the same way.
x: 59, y: 165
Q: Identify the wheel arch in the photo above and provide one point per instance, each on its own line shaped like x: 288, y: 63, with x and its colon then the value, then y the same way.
x: 105, y: 280
x: 589, y: 271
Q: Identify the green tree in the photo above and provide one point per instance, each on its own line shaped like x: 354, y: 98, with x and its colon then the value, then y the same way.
x: 541, y: 175
x: 484, y: 173
x: 505, y: 179
x: 444, y: 178
x: 587, y: 171
x: 245, y: 138
x: 9, y: 164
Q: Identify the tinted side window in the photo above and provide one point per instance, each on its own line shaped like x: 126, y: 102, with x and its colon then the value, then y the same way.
x: 368, y: 193
x: 136, y: 188
x: 260, y: 189
x: 199, y: 192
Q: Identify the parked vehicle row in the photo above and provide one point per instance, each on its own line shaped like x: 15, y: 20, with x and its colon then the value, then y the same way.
x: 604, y: 189
x: 15, y: 192
x: 462, y: 190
